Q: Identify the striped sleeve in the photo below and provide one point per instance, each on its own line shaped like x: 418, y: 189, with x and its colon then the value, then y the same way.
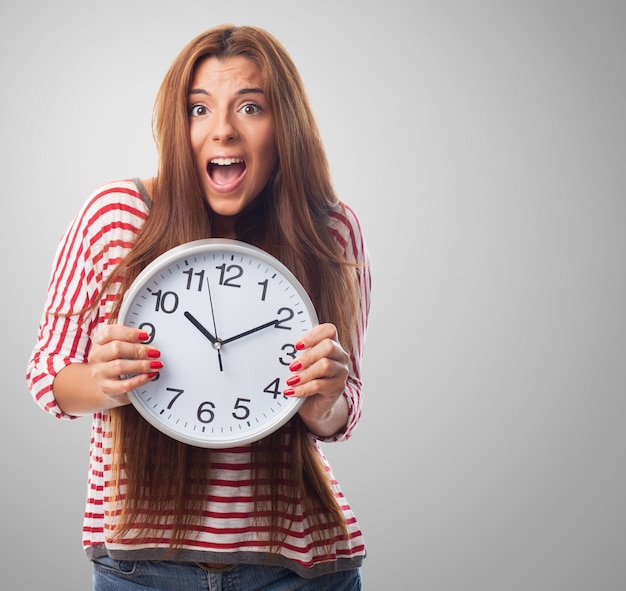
x: 346, y: 229
x: 95, y: 241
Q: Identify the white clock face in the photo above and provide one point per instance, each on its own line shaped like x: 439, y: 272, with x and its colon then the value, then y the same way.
x: 226, y: 317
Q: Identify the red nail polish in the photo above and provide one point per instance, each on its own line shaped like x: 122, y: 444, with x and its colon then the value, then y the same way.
x: 153, y: 375
x: 154, y: 353
x: 293, y: 380
x: 295, y: 366
x: 156, y: 365
x: 143, y: 336
x: 300, y: 345
x: 289, y: 392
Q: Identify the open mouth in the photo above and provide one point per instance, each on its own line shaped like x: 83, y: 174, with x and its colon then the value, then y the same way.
x: 225, y: 171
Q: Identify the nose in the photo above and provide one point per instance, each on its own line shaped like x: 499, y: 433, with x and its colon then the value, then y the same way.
x: 223, y: 129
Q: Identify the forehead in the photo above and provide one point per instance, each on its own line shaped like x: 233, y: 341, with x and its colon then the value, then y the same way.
x: 233, y: 72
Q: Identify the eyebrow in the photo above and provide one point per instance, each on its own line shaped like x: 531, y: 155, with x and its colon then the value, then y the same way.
x: 242, y: 91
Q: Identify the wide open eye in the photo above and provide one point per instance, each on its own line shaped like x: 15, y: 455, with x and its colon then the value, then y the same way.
x: 251, y: 109
x: 198, y: 111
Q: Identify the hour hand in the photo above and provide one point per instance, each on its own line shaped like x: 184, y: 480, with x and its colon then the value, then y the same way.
x: 189, y: 316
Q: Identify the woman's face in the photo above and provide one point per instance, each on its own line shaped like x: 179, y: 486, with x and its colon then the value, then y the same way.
x: 232, y: 136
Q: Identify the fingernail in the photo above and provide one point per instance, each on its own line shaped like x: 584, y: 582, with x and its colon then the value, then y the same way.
x: 295, y: 366
x: 156, y: 365
x: 143, y: 336
x: 289, y: 392
x: 293, y: 380
x: 154, y: 353
x: 300, y: 345
x: 153, y: 375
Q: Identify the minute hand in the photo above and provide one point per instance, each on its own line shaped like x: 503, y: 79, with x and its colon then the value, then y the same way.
x: 251, y: 331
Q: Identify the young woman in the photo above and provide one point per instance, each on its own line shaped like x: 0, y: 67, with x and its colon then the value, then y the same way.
x: 239, y: 157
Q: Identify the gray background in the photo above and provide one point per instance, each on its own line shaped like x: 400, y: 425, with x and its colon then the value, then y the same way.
x: 483, y: 146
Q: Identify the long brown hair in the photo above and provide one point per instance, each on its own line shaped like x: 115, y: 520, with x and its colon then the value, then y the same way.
x: 288, y: 219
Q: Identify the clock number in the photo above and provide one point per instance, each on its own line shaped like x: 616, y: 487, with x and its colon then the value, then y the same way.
x: 178, y: 393
x: 162, y: 299
x: 290, y: 351
x: 242, y: 407
x: 236, y: 271
x: 290, y: 315
x: 264, y: 284
x: 149, y: 328
x: 205, y: 412
x: 273, y: 388
x: 200, y: 274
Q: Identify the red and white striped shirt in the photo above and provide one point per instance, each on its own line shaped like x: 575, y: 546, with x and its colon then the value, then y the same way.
x: 99, y: 237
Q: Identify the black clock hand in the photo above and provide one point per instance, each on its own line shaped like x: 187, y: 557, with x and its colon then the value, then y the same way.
x: 215, y: 342
x: 251, y: 331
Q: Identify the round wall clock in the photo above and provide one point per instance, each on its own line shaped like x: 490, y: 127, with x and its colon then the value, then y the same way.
x: 225, y: 316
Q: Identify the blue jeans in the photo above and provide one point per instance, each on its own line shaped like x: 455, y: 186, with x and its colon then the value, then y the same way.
x: 145, y: 575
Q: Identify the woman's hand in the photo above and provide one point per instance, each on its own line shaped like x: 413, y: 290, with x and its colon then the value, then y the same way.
x: 117, y: 352
x: 320, y: 374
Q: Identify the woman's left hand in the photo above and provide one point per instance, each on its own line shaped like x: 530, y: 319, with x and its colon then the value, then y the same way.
x: 320, y: 374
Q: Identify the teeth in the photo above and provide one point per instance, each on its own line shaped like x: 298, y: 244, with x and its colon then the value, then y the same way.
x: 225, y: 161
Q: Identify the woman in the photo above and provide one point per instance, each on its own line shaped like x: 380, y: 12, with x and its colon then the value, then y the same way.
x: 239, y: 157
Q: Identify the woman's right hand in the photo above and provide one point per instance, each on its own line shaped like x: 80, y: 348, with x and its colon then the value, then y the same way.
x: 120, y: 361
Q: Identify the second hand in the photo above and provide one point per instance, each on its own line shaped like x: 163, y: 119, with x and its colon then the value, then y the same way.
x: 219, y: 352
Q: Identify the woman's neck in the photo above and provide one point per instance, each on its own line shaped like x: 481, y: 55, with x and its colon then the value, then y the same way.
x: 223, y: 226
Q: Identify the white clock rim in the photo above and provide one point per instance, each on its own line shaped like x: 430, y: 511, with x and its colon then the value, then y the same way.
x: 192, y: 248
x: 219, y: 441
